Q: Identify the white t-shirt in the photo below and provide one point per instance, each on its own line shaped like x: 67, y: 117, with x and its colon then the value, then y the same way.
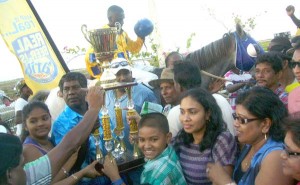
x: 3, y: 129
x: 175, y: 125
x: 20, y: 103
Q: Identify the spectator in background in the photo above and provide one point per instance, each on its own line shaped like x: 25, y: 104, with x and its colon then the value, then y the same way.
x: 237, y: 81
x: 283, y: 46
x: 294, y: 96
x: 173, y: 58
x: 290, y: 10
x: 268, y: 70
x: 24, y: 92
x: 167, y: 89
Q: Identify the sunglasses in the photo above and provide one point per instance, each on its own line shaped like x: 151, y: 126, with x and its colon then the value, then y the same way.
x: 290, y: 153
x: 293, y: 64
x: 243, y: 120
x: 117, y: 64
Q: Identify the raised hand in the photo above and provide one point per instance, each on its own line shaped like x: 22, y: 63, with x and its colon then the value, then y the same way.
x: 95, y: 97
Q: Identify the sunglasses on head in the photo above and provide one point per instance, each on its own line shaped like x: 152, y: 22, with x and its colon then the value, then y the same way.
x: 293, y: 64
x: 243, y: 120
x: 117, y: 64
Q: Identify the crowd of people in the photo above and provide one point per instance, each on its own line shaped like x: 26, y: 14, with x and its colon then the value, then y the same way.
x: 197, y: 137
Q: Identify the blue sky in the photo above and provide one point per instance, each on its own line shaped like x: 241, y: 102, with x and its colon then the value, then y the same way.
x: 175, y: 19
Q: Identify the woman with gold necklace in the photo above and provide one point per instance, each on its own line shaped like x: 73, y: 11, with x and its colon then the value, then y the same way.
x: 258, y: 118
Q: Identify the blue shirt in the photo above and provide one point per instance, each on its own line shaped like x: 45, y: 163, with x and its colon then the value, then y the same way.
x: 250, y: 175
x: 67, y: 120
x: 140, y: 94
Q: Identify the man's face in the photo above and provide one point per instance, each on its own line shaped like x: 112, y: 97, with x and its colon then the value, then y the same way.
x: 124, y: 75
x: 266, y: 76
x: 26, y: 91
x: 296, y: 68
x: 168, y: 92
x: 73, y: 95
x: 172, y: 59
x: 117, y: 17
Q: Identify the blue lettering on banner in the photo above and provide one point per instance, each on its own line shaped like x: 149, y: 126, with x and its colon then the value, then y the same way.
x: 19, y: 24
x: 33, y: 52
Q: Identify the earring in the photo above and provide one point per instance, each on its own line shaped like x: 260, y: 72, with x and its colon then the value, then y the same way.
x: 266, y: 137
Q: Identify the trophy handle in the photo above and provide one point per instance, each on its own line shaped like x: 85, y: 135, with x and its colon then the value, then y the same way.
x: 119, y: 27
x: 85, y: 32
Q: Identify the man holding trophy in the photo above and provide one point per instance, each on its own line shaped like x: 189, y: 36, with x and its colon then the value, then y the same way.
x: 108, y: 43
x: 124, y: 44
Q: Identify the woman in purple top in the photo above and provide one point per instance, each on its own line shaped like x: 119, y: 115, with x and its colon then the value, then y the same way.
x: 204, y: 137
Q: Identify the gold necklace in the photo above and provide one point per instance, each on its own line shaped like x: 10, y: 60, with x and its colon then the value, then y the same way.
x: 248, y: 162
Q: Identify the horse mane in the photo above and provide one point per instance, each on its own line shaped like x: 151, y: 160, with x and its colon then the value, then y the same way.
x: 207, y: 55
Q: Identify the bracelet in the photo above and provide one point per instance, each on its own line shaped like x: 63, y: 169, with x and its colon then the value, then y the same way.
x: 118, y: 182
x: 65, y: 171
x: 74, y: 176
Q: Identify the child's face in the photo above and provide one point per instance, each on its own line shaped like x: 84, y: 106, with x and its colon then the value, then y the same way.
x: 38, y: 123
x: 152, y: 141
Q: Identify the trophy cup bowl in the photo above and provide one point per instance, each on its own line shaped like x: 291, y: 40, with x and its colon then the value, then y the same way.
x: 103, y: 41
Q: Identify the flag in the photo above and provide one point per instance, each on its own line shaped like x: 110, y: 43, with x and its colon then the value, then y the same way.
x: 27, y: 38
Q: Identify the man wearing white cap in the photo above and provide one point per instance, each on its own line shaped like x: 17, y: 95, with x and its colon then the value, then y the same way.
x: 140, y: 93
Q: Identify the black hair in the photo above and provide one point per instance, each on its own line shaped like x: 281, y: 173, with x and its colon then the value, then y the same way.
x: 271, y: 58
x: 296, y: 42
x: 281, y: 44
x: 114, y: 9
x: 10, y: 155
x: 214, y: 126
x: 41, y: 95
x: 292, y: 125
x: 27, y: 109
x: 73, y: 76
x: 155, y: 120
x: 171, y: 54
x: 264, y: 103
x: 187, y: 75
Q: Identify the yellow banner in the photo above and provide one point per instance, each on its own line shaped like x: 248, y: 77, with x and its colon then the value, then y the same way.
x: 25, y: 38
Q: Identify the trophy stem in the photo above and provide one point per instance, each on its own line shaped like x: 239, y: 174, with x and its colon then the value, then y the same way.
x: 136, y: 149
x: 99, y: 154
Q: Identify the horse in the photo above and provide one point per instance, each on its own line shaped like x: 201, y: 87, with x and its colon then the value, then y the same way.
x: 223, y: 55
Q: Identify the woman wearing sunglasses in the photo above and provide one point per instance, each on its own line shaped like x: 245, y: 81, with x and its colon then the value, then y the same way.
x: 258, y: 124
x: 294, y: 96
x: 291, y: 153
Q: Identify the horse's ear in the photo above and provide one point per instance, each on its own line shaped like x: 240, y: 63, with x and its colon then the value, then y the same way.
x: 239, y: 30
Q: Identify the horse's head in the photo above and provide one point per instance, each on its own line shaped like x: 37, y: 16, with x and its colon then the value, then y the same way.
x: 216, y: 58
x: 224, y: 54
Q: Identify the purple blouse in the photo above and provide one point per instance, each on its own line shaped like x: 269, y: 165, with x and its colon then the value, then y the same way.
x: 193, y: 162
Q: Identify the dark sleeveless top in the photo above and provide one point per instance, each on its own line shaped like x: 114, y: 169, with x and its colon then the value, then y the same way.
x: 30, y: 141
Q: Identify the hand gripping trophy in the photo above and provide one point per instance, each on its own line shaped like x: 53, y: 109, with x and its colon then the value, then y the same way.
x: 103, y: 42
